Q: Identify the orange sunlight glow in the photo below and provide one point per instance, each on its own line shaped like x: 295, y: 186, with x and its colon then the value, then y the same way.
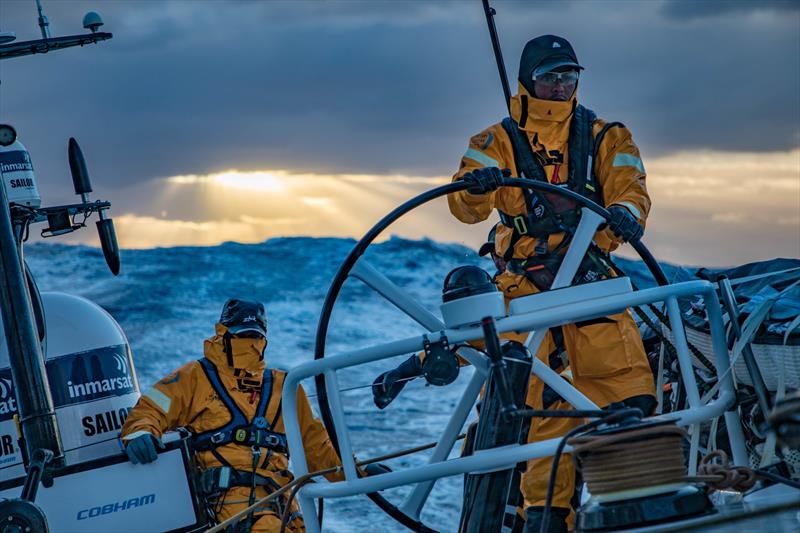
x: 261, y: 181
x: 709, y: 208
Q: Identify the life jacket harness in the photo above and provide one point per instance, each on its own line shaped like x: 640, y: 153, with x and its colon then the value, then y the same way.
x: 215, y: 480
x: 239, y: 430
x: 541, y: 269
x: 255, y: 434
x: 549, y: 213
x: 213, y: 483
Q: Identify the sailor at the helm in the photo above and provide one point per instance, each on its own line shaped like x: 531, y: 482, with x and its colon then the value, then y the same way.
x: 550, y: 137
x: 231, y: 403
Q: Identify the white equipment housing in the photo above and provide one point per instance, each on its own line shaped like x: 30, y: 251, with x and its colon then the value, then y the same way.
x: 470, y: 310
x: 16, y: 170
x: 92, y: 381
x: 93, y: 384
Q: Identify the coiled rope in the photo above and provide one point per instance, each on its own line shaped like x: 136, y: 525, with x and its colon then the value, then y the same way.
x: 643, y: 457
x: 723, y: 475
x: 650, y: 457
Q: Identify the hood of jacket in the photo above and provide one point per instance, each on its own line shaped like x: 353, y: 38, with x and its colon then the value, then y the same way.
x: 248, y: 357
x: 546, y: 122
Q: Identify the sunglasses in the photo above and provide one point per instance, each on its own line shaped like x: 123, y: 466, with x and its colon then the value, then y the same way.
x: 551, y: 78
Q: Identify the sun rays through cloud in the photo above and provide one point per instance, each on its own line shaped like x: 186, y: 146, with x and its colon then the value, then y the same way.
x: 709, y: 208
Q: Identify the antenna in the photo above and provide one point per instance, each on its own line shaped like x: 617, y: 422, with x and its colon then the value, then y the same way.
x: 498, y: 54
x: 91, y: 21
x: 44, y: 24
x: 105, y: 226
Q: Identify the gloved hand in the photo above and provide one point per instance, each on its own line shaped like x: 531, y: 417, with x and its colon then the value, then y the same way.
x: 375, y: 469
x: 388, y: 385
x: 624, y: 224
x: 483, y: 180
x: 142, y: 449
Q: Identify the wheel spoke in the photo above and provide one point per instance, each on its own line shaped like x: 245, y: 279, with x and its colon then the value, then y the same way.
x: 395, y: 295
x: 415, y: 501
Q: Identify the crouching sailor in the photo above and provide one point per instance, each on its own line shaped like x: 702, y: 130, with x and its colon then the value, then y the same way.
x: 231, y: 403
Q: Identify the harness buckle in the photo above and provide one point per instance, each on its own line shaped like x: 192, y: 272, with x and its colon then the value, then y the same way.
x: 216, y: 438
x: 241, y: 436
x: 520, y: 225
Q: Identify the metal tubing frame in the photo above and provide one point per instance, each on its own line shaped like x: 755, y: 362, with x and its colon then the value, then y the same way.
x: 414, y: 502
x: 581, y: 241
x: 348, y: 461
x: 374, y: 279
x: 509, y: 455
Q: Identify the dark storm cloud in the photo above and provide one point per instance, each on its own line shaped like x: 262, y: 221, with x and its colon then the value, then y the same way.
x: 699, y: 9
x: 376, y: 87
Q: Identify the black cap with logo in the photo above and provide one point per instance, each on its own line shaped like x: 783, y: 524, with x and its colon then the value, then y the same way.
x: 543, y: 54
x: 240, y: 316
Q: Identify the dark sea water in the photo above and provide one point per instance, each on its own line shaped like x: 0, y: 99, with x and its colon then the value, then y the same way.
x: 168, y: 299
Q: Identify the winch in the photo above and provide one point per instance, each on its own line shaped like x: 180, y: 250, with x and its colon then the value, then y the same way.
x: 636, y: 474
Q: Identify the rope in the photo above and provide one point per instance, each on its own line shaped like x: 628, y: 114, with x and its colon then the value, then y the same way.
x: 645, y: 457
x: 297, y: 483
x: 723, y: 475
x: 608, y: 417
x: 369, y: 385
x: 649, y: 457
x: 287, y: 511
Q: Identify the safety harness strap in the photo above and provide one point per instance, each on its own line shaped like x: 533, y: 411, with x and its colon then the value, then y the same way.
x: 530, y: 168
x: 217, y: 479
x: 543, y: 218
x: 239, y: 430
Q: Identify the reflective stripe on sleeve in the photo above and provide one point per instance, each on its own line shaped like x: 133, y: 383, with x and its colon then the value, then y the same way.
x: 135, y: 434
x: 630, y: 206
x: 159, y: 398
x: 481, y: 158
x: 628, y: 160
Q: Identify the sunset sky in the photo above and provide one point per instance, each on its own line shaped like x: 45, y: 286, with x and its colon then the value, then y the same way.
x: 209, y: 121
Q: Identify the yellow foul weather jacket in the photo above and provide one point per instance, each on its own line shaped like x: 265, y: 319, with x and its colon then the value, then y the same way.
x: 607, y: 360
x: 187, y: 399
x: 617, y: 361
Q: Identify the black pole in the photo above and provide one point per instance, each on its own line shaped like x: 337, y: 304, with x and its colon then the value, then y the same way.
x: 34, y: 401
x: 498, y: 366
x: 498, y: 54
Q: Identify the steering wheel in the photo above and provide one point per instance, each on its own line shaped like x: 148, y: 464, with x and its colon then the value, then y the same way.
x: 416, y: 311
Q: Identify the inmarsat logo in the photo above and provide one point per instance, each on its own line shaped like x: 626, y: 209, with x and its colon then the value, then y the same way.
x: 89, y: 388
x: 16, y: 161
x: 8, y: 404
x: 122, y: 364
